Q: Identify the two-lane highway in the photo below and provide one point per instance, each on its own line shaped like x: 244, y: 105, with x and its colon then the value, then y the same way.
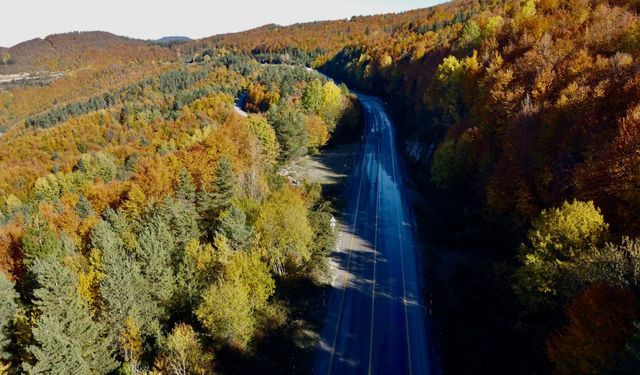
x: 376, y: 320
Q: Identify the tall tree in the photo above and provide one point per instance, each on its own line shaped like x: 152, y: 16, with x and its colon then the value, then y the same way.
x: 226, y: 312
x: 233, y: 225
x: 212, y: 202
x: 557, y: 239
x: 83, y: 207
x: 123, y: 288
x: 39, y: 240
x: 291, y: 130
x: 8, y: 310
x: 67, y: 339
x: 186, y: 190
x: 182, y: 220
x: 285, y: 232
x: 197, y: 270
x: 126, y: 293
x: 155, y: 252
x: 312, y: 97
x: 587, y: 343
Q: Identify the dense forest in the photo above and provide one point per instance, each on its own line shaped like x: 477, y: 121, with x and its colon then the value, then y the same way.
x: 520, y: 120
x: 148, y: 229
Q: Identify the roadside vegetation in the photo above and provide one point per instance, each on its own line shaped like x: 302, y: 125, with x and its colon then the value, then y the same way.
x: 151, y: 231
x: 521, y: 121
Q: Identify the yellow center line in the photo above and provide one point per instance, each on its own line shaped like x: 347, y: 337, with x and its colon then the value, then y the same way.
x: 346, y: 276
x: 404, y: 293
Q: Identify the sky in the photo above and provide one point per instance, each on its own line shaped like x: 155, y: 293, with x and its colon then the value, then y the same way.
x: 23, y: 20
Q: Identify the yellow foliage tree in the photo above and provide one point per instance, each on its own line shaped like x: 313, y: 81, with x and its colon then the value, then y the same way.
x: 285, y: 232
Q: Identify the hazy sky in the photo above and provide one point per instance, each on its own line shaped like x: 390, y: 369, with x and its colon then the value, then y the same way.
x: 148, y: 19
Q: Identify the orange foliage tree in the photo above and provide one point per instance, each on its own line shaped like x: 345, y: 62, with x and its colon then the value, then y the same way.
x: 600, y: 323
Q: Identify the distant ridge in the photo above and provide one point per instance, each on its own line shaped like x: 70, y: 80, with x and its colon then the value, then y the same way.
x: 172, y: 39
x: 73, y: 50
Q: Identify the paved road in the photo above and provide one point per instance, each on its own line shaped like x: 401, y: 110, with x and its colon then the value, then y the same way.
x: 239, y: 104
x: 376, y: 322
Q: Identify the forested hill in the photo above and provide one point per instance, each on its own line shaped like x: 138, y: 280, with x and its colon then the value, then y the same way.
x: 149, y: 228
x: 525, y: 115
x: 74, y: 66
x: 317, y: 41
x: 520, y: 118
x: 75, y: 50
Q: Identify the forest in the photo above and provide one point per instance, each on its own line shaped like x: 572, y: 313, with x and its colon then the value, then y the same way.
x: 147, y: 230
x: 521, y: 123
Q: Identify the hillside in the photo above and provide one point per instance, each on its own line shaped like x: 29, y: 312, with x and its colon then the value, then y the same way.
x: 84, y: 64
x: 75, y: 50
x: 521, y: 126
x: 516, y: 114
x: 199, y: 244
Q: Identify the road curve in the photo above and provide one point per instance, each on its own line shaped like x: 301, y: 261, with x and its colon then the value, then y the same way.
x: 376, y: 322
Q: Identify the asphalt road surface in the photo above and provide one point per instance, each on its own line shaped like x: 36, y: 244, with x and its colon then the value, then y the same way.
x: 376, y: 322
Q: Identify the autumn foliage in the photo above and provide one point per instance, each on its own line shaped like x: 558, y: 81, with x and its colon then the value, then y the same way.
x: 600, y: 321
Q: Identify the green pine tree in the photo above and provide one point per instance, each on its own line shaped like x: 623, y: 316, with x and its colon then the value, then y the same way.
x: 8, y: 309
x: 212, y: 202
x: 84, y: 208
x: 186, y: 190
x: 182, y: 220
x: 125, y: 292
x: 291, y: 130
x: 68, y: 340
x: 124, y: 289
x: 39, y: 241
x: 156, y: 251
x: 105, y: 238
x: 225, y: 185
x: 233, y: 225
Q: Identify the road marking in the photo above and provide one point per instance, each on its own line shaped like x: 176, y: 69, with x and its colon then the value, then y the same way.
x: 375, y: 254
x: 346, y: 276
x: 404, y: 292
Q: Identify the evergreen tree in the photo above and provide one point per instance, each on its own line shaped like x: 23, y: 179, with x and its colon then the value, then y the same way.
x: 67, y: 339
x: 83, y: 207
x: 290, y: 130
x: 124, y: 289
x: 212, y: 203
x: 182, y: 220
x: 233, y: 225
x: 123, y: 229
x: 126, y: 295
x: 39, y: 241
x: 104, y: 238
x: 8, y: 309
x: 156, y: 251
x: 186, y: 190
x: 225, y: 184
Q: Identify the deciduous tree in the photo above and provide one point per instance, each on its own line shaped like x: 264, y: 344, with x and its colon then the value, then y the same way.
x: 600, y: 323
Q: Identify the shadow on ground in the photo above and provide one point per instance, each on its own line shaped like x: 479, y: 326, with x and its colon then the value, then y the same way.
x: 291, y: 348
